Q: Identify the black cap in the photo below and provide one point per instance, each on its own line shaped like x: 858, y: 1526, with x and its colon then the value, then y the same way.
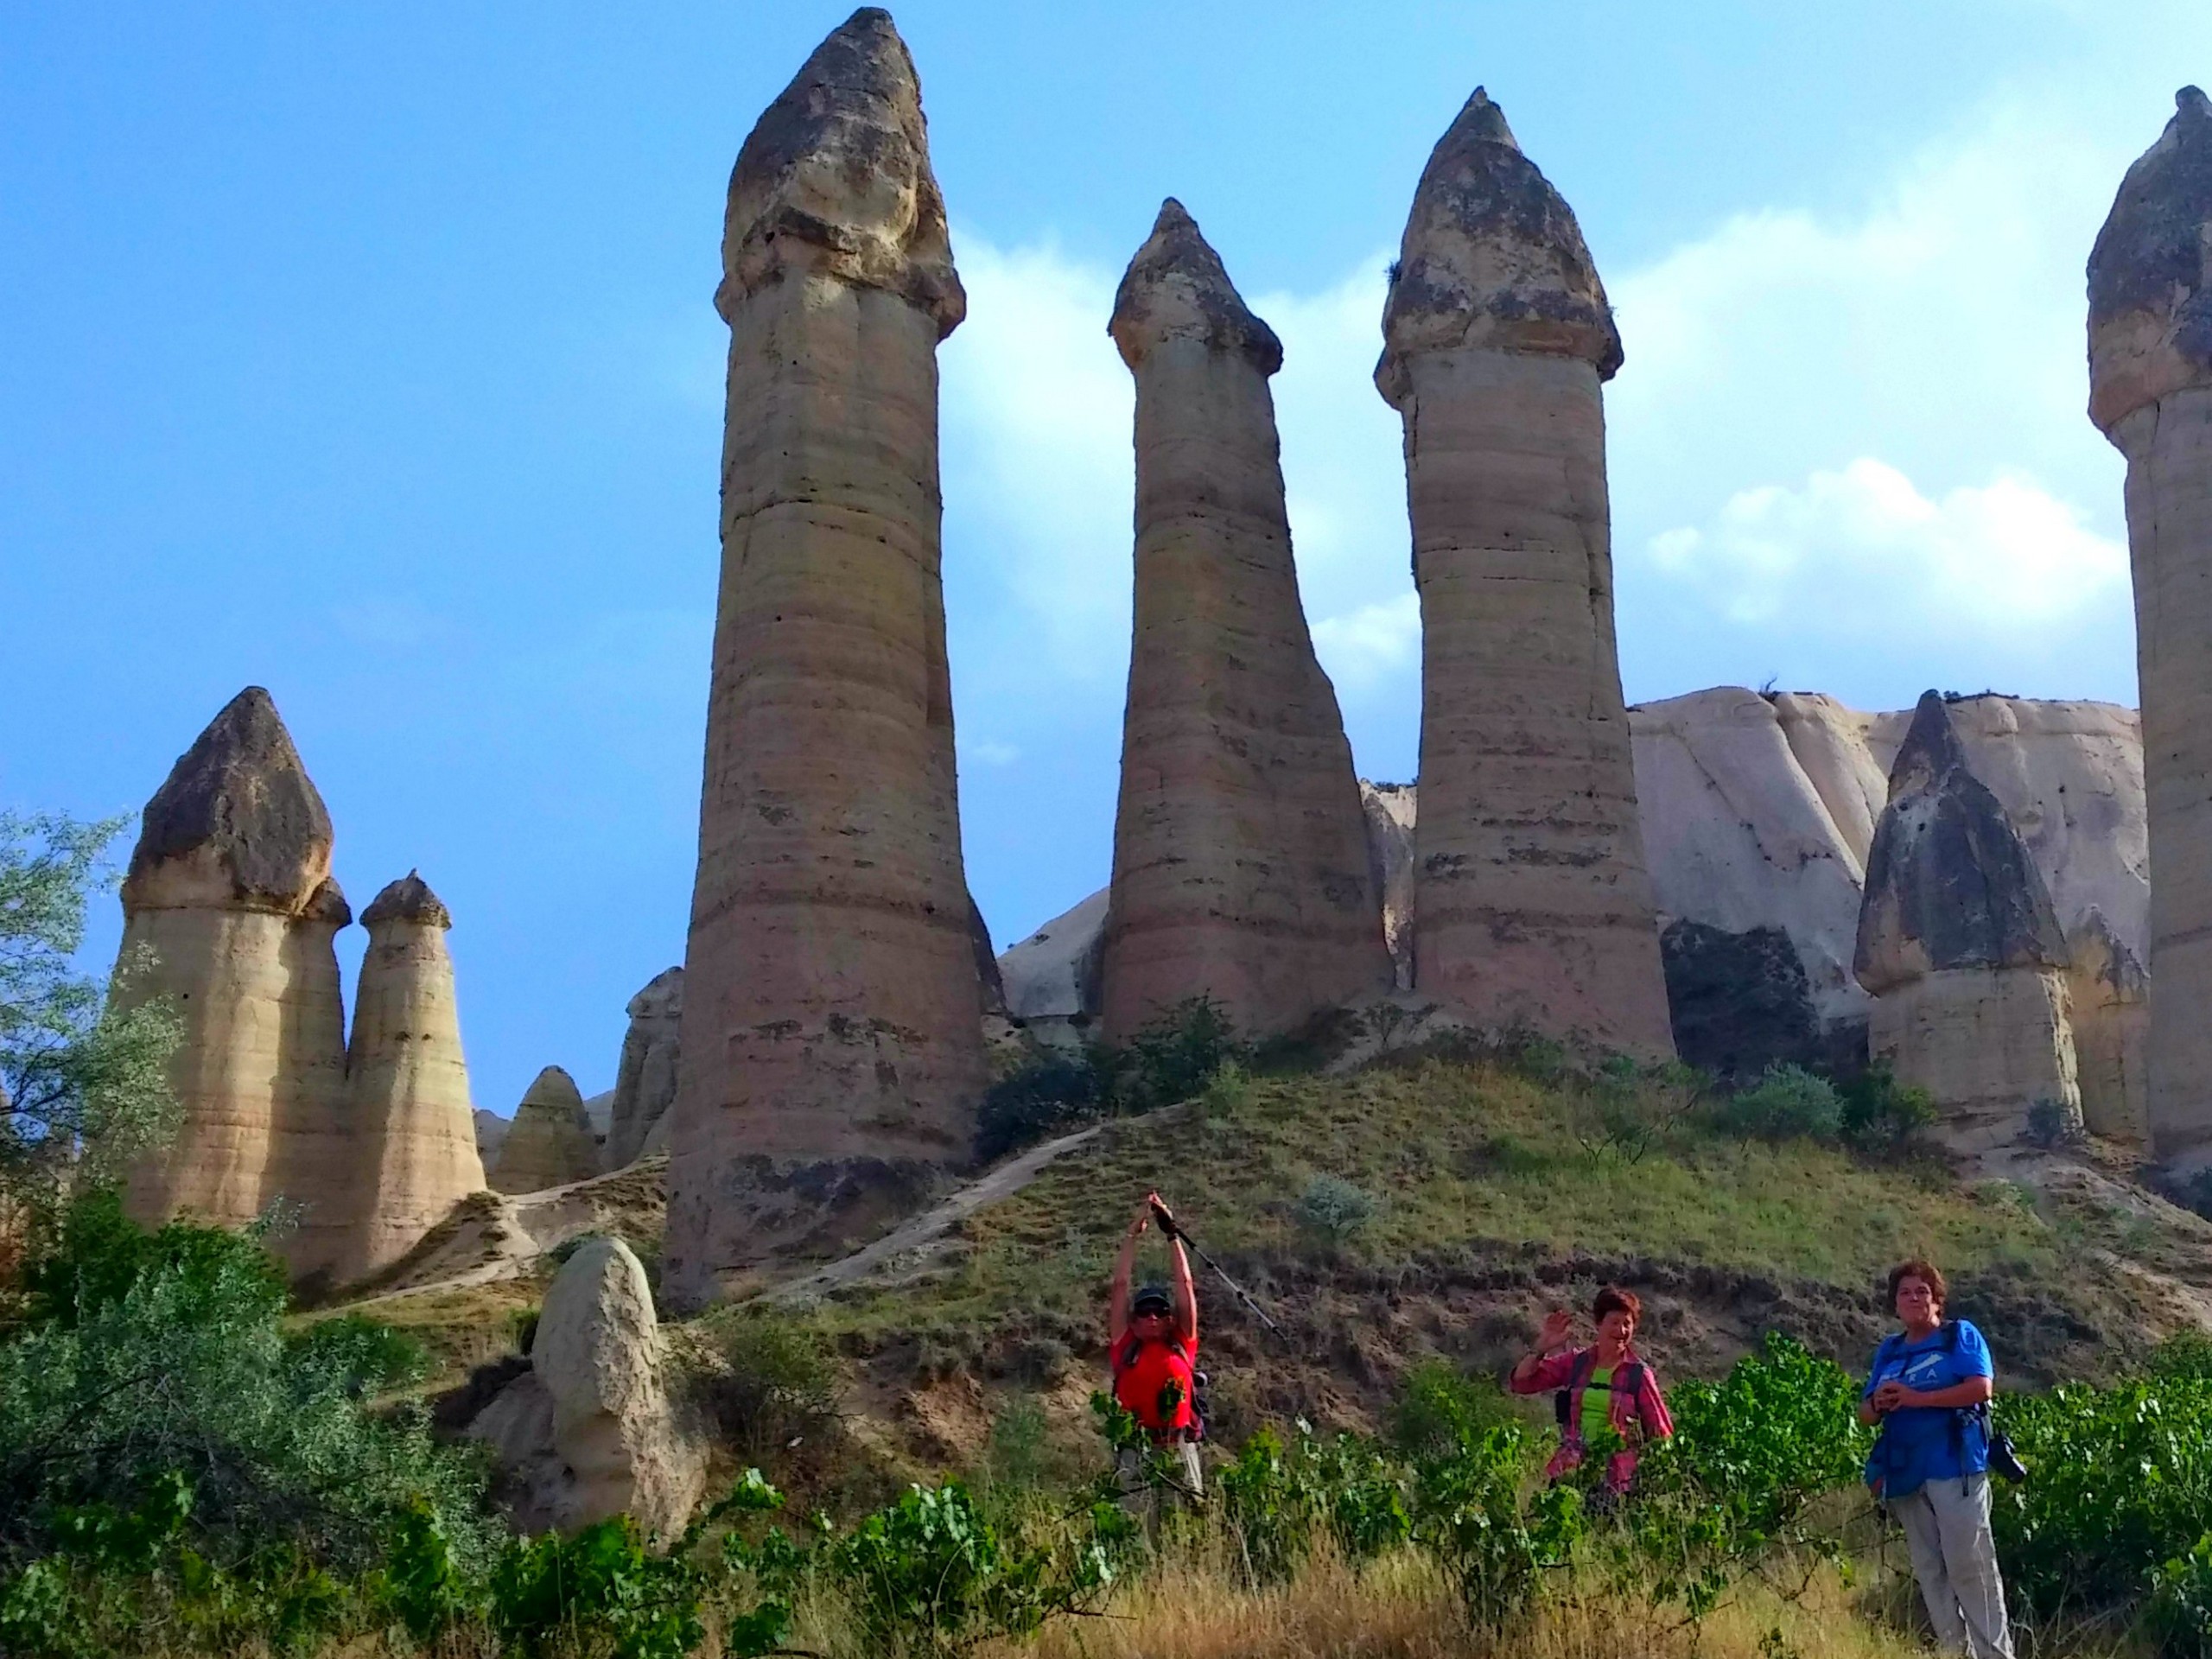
x: 1153, y: 1299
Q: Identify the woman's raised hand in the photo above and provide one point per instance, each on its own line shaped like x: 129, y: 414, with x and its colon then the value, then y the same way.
x: 1557, y: 1324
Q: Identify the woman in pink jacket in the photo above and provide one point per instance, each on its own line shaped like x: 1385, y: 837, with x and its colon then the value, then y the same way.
x: 1607, y: 1376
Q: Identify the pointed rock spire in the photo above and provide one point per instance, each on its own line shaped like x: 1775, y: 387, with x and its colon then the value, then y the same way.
x: 2150, y: 272
x: 1949, y: 882
x: 835, y: 177
x: 408, y: 900
x: 1177, y: 289
x: 1492, y: 255
x: 239, y: 810
x: 550, y: 1143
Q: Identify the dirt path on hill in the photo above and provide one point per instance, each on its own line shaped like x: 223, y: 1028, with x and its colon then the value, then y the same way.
x: 900, y: 1253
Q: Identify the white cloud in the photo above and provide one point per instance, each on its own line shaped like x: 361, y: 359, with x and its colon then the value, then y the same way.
x: 1366, y: 647
x: 1862, y: 553
x: 987, y: 752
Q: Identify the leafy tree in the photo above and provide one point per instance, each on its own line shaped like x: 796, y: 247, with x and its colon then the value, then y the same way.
x: 84, y: 1081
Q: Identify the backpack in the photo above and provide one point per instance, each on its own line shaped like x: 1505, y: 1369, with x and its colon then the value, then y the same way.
x: 1628, y: 1378
x: 1201, y: 1400
x: 2003, y: 1458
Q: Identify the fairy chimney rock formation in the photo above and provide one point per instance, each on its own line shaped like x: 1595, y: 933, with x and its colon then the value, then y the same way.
x: 1533, y: 904
x: 832, y: 1048
x: 2109, y: 1006
x: 228, y: 909
x: 1960, y: 947
x: 645, y: 1082
x: 550, y: 1143
x: 2150, y: 280
x: 1240, y: 852
x: 406, y: 1077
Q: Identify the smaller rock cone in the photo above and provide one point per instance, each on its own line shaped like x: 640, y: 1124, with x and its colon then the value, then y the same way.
x: 645, y: 1083
x: 550, y: 1143
x: 407, y: 1076
x: 1960, y: 945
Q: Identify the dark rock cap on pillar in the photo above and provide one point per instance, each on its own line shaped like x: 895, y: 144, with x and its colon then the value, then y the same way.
x: 408, y: 900
x: 1177, y: 289
x: 1491, y: 257
x: 835, y: 177
x: 239, y: 799
x: 2150, y: 272
x: 1949, y: 882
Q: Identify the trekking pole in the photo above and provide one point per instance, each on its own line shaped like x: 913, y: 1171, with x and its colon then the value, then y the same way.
x: 1173, y: 1229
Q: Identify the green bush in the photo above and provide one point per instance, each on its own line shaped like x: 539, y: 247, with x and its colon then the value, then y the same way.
x: 779, y: 1382
x: 155, y: 1356
x: 1170, y: 1060
x: 1786, y: 1103
x: 1048, y: 1096
x: 1882, y: 1116
x: 1332, y: 1210
x: 1437, y: 1406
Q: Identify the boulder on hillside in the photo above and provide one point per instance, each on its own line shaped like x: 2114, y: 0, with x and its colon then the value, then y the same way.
x: 590, y: 1430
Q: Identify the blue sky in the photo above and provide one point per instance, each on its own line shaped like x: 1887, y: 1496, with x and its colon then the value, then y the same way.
x: 366, y: 353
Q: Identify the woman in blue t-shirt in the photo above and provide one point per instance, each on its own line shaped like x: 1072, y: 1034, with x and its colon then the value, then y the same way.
x: 1930, y: 1463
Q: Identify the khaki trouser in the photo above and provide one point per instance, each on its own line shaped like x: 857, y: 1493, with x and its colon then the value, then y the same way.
x: 1946, y: 1530
x: 1144, y: 1499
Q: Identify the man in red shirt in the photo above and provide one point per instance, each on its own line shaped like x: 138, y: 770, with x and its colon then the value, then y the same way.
x: 1153, y: 1348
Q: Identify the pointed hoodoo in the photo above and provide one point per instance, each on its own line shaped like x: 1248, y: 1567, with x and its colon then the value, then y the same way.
x: 228, y: 909
x: 1534, y: 905
x: 2150, y: 391
x: 645, y: 1082
x: 1240, y: 852
x: 1960, y: 947
x: 832, y: 1054
x: 407, y: 1079
x: 550, y: 1143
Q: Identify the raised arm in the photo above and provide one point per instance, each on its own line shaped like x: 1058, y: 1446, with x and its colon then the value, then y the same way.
x: 1186, y: 1294
x: 1537, y: 1369
x: 1117, y: 1307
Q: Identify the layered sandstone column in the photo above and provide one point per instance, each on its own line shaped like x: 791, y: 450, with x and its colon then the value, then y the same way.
x: 1240, y: 850
x: 2150, y: 391
x: 314, y: 1165
x: 550, y: 1143
x: 1960, y: 945
x: 229, y: 911
x: 2108, y: 1004
x: 407, y: 1077
x: 645, y: 1082
x: 832, y: 1052
x: 1534, y: 905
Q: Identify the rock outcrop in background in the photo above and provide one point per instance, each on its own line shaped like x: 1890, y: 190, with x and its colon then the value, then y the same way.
x: 2108, y: 1003
x: 549, y: 1142
x: 1960, y: 947
x: 2150, y: 393
x: 1240, y: 852
x: 407, y: 1079
x: 832, y: 1047
x: 1533, y: 905
x: 645, y: 1079
x: 229, y: 910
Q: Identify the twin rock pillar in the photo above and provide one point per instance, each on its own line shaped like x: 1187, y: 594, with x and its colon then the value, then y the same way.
x: 229, y: 911
x: 1960, y: 947
x: 1240, y: 852
x: 832, y: 1053
x: 1534, y: 905
x: 407, y: 1077
x: 2150, y: 391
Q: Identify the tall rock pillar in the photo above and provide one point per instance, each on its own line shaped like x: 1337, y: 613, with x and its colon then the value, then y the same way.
x: 2150, y: 391
x: 228, y: 910
x: 832, y: 1054
x: 1960, y: 945
x: 1534, y: 903
x: 407, y: 1079
x: 1240, y: 849
x: 314, y: 1159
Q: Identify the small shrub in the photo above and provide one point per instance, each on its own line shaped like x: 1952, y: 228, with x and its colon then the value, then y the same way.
x: 1332, y: 1210
x: 1882, y: 1117
x: 1438, y: 1407
x: 1223, y: 1093
x: 1786, y: 1103
x: 779, y: 1381
x: 2052, y: 1124
x: 1051, y: 1095
x: 361, y: 1355
x: 1503, y: 1154
x: 1171, y: 1059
